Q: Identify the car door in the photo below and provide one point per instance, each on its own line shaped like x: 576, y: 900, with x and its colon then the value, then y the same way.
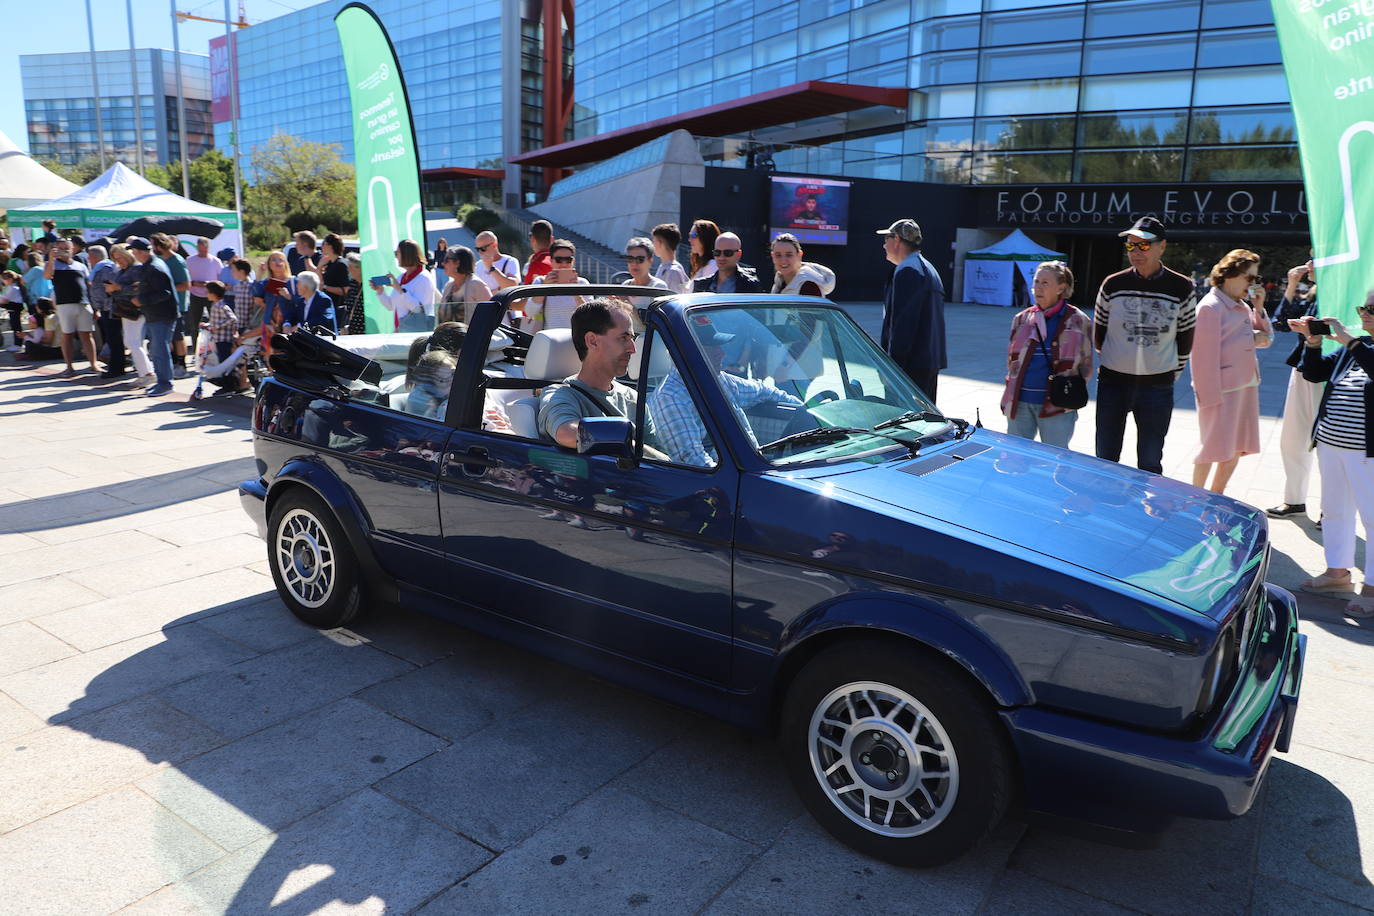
x: 631, y: 559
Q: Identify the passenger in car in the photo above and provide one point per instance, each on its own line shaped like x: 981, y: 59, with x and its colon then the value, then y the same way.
x: 604, y: 340
x: 433, y: 377
x: 678, y: 426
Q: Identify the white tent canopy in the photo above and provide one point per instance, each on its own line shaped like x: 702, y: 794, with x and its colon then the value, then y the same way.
x: 23, y: 181
x: 990, y: 274
x: 116, y: 197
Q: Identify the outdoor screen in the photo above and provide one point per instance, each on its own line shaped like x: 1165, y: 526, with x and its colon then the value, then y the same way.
x: 813, y: 209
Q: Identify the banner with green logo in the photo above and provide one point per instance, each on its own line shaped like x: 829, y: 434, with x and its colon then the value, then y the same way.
x: 384, y: 153
x: 1328, y: 55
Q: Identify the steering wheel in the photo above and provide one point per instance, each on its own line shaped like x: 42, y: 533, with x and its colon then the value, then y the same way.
x: 820, y: 398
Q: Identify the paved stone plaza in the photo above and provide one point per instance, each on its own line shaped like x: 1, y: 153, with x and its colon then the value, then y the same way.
x: 172, y: 741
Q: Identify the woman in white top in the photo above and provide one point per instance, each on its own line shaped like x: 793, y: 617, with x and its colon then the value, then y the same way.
x: 796, y: 277
x: 703, y: 241
x: 667, y: 236
x: 549, y: 312
x: 412, y: 298
x: 638, y: 257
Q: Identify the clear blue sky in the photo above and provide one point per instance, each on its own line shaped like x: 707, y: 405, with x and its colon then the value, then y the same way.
x: 61, y: 26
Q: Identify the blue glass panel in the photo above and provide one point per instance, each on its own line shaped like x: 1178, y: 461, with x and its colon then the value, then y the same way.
x: 1227, y: 14
x: 1250, y: 124
x: 1139, y: 54
x: 1028, y: 96
x: 1256, y: 85
x: 1242, y: 46
x: 1033, y: 26
x: 1141, y: 17
x: 946, y: 34
x: 1133, y: 128
x: 1018, y: 63
x: 1143, y: 90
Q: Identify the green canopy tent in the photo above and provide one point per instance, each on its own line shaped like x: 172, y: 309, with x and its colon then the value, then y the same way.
x: 993, y: 275
x: 118, y: 196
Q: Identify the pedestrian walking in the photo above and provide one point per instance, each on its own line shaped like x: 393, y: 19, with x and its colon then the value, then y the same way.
x: 1143, y: 330
x: 71, y: 295
x: 123, y: 289
x: 1051, y: 339
x: 1343, y: 436
x: 913, y: 331
x: 158, y: 302
x: 1301, y: 400
x: 1230, y: 325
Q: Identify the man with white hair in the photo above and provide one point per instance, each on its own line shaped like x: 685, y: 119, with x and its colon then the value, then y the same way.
x: 731, y: 276
x: 498, y: 271
x: 309, y: 307
x: 202, y: 269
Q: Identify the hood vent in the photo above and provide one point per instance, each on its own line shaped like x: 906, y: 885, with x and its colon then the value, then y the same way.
x: 923, y: 466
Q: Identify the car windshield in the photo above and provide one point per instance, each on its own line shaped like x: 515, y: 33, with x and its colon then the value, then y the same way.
x: 807, y: 385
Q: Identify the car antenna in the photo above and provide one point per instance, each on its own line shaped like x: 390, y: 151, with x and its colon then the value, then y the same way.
x: 977, y: 418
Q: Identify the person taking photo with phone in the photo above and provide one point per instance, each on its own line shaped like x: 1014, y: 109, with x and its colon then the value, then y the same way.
x: 1343, y: 435
x: 547, y: 312
x: 1231, y: 323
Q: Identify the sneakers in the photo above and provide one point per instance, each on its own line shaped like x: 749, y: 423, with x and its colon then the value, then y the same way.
x: 159, y: 389
x: 179, y: 372
x: 1286, y: 510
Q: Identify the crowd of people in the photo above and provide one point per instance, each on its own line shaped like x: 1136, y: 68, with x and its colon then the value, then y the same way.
x: 146, y: 297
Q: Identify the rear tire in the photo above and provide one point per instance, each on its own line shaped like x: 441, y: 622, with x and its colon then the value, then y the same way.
x: 895, y: 752
x: 313, y: 566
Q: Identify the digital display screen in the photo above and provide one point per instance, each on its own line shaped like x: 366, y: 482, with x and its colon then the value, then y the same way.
x: 813, y: 209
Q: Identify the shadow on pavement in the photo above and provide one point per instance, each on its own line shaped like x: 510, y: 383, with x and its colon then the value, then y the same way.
x: 113, y: 500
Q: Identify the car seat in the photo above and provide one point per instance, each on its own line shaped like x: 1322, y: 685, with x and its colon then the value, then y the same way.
x: 551, y: 356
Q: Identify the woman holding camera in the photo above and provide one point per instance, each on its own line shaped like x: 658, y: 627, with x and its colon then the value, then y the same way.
x: 1231, y: 323
x: 549, y: 312
x: 1343, y: 435
x: 1300, y: 403
x: 1051, y: 338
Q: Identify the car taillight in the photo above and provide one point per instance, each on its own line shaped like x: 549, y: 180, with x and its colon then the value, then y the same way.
x: 1220, y: 670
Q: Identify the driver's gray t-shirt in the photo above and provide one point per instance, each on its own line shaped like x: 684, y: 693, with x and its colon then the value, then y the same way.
x: 572, y: 400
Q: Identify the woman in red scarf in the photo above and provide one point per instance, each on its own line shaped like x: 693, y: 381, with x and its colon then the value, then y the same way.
x: 412, y: 297
x: 1049, y: 338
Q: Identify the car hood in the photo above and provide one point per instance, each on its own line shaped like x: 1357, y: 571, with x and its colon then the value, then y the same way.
x: 1173, y: 540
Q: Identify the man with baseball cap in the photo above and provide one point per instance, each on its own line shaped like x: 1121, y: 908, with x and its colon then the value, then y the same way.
x: 1143, y: 330
x: 157, y: 297
x: 913, y: 308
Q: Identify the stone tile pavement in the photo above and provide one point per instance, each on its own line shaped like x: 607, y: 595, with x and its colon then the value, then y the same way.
x: 172, y: 741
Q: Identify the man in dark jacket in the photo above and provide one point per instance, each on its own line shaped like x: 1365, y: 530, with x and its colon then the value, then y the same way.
x: 158, y: 299
x: 913, y: 308
x: 730, y: 275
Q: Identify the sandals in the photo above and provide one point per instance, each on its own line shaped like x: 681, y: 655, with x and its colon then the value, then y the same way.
x: 1327, y: 585
x: 1361, y: 607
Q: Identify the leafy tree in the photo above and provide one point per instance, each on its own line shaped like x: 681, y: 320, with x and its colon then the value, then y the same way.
x: 211, y: 174
x: 298, y: 184
x: 81, y: 173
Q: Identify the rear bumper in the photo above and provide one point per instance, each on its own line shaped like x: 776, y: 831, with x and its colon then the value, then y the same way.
x: 253, y: 498
x: 1138, y: 780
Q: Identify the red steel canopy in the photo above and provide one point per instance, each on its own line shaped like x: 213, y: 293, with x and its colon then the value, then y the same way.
x: 458, y: 171
x: 798, y: 102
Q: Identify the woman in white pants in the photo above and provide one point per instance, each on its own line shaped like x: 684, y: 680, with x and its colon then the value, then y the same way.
x: 1300, y: 403
x: 123, y: 289
x: 1344, y: 439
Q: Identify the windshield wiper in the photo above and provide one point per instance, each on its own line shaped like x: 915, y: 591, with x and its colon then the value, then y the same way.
x: 911, y: 416
x: 834, y: 434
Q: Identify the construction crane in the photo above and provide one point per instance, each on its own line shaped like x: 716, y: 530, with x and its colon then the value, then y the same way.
x: 241, y: 23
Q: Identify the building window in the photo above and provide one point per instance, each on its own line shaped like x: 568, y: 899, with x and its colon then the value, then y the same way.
x: 1140, y: 54
x: 1017, y: 63
x: 1140, y: 17
x: 1025, y: 133
x: 1240, y: 85
x: 1030, y: 95
x: 1143, y: 90
x: 1258, y: 124
x: 1127, y: 165
x: 1022, y: 168
x: 1244, y: 163
x: 1227, y: 14
x: 1240, y: 46
x: 1133, y: 128
x: 1033, y: 26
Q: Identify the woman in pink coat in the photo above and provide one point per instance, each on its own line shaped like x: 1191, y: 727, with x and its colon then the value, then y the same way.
x: 1231, y: 323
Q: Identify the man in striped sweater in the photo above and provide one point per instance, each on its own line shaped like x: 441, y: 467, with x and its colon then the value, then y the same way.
x: 1143, y: 330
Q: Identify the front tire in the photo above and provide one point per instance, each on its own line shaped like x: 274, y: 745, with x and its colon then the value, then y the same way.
x: 895, y: 753
x: 314, y: 568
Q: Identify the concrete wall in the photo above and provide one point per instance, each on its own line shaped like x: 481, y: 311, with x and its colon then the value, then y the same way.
x: 633, y: 203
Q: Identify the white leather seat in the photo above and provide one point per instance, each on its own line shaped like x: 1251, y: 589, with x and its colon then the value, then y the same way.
x: 551, y: 356
x: 660, y: 363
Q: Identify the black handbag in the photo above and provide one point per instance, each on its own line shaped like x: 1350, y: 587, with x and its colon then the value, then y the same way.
x: 1069, y: 392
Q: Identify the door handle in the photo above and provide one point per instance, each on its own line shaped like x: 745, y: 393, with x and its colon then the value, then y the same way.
x: 475, y: 461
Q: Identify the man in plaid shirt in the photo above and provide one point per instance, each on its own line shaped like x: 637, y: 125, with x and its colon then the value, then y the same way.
x: 249, y: 322
x: 220, y: 321
x: 676, y: 423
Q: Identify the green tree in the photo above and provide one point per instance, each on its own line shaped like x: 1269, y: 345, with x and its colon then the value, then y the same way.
x: 81, y: 173
x: 298, y: 184
x: 211, y: 174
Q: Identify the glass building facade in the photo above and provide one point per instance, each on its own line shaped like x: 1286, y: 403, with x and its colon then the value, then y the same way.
x: 59, y: 104
x: 1005, y: 91
x: 1000, y: 91
x: 450, y: 55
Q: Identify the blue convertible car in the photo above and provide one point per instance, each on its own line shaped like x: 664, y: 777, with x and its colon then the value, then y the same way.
x: 938, y: 621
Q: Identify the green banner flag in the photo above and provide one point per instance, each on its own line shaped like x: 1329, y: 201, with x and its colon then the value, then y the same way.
x: 1328, y: 56
x: 384, y: 153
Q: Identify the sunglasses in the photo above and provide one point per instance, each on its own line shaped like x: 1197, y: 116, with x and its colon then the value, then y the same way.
x: 1137, y: 246
x: 484, y: 247
x: 1365, y: 309
x: 1252, y: 277
x: 636, y: 258
x: 562, y: 260
x: 725, y: 252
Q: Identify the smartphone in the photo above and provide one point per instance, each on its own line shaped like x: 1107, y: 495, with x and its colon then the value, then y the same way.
x: 1318, y: 328
x: 380, y: 281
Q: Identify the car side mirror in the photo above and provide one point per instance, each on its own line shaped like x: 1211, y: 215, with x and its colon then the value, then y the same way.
x: 614, y: 436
